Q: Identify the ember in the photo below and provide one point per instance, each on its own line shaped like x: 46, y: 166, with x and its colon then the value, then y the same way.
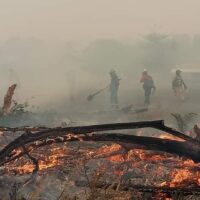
x: 178, y: 177
x: 180, y: 172
x: 53, y: 158
x: 116, y: 162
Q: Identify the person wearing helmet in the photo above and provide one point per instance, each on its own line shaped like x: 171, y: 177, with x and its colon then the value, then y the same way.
x: 148, y: 86
x: 114, y: 88
x: 178, y: 85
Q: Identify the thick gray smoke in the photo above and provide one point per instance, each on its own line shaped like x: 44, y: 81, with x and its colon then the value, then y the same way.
x: 58, y: 77
x: 49, y: 73
x: 59, y: 52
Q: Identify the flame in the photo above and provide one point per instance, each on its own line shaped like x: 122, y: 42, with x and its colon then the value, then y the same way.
x: 108, y: 149
x: 179, y: 176
x: 45, y: 162
x: 180, y: 172
x: 170, y: 137
x: 118, y: 158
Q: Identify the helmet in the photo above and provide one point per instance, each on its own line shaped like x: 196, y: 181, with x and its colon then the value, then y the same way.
x: 178, y: 71
x: 112, y: 71
x: 145, y: 71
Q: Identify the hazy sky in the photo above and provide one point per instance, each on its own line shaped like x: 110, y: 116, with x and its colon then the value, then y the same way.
x: 90, y: 19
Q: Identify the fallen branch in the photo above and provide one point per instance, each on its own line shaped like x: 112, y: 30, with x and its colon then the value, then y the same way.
x: 189, y: 148
x: 34, y: 160
x: 159, y: 124
x: 184, y: 149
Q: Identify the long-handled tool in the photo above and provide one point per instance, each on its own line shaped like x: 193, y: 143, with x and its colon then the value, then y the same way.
x: 91, y: 96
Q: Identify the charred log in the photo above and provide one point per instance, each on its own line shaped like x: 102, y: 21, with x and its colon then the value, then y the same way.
x: 184, y: 149
x: 159, y: 124
x: 189, y: 148
x: 128, y: 142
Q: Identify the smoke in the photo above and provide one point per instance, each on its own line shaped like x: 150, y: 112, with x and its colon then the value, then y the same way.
x: 49, y: 71
x: 59, y: 76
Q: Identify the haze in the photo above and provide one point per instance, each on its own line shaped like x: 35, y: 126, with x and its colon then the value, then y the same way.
x: 60, y: 51
x: 83, y: 20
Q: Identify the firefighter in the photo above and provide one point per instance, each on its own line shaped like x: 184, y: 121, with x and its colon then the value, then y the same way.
x: 114, y: 88
x: 148, y: 86
x: 178, y: 85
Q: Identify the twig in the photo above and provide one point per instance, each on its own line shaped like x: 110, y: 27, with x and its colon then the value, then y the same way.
x: 34, y: 160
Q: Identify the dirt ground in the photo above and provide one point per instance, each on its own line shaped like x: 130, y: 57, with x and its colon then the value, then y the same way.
x: 163, y: 103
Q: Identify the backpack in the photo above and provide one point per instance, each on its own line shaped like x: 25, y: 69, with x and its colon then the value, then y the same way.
x: 148, y: 83
x: 177, y: 82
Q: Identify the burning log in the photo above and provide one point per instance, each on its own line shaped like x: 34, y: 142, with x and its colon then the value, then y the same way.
x: 120, y: 162
x: 180, y: 148
x: 189, y: 148
x: 8, y: 99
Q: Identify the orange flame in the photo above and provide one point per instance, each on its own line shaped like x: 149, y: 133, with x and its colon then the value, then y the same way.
x: 180, y: 173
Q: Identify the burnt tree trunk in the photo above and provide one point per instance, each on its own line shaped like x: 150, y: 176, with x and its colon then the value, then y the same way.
x: 8, y: 100
x: 189, y: 147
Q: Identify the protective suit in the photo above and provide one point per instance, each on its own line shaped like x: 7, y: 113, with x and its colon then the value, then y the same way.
x: 179, y: 86
x: 114, y: 88
x: 148, y: 86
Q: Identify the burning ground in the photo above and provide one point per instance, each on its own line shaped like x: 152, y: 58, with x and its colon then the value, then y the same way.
x: 96, y: 170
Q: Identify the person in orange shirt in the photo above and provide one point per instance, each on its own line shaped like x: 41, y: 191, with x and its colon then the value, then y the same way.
x: 148, y: 86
